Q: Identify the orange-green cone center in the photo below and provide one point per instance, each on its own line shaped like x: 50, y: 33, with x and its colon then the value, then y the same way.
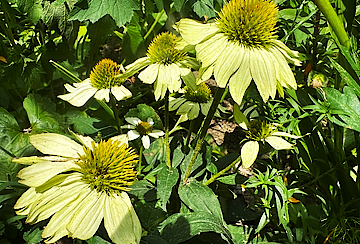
x: 249, y: 22
x: 144, y: 128
x: 108, y: 167
x: 163, y: 49
x: 103, y: 74
x: 258, y: 130
x: 201, y: 95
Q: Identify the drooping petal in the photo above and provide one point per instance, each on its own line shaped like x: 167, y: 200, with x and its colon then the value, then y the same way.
x: 148, y: 75
x: 259, y: 72
x: 56, y: 228
x: 146, y: 141
x: 133, y: 120
x: 38, y: 159
x: 26, y: 200
x: 121, y: 221
x: 175, y: 80
x: 130, y: 127
x: 56, y: 144
x: 249, y: 153
x: 120, y: 92
x: 278, y: 143
x: 156, y: 133
x: 88, y: 216
x: 185, y: 108
x: 280, y: 133
x: 175, y: 103
x: 205, y: 107
x: 228, y: 62
x: 37, y: 174
x: 241, y: 80
x: 103, y: 94
x: 209, y: 51
x: 132, y: 135
x: 55, y: 198
x: 193, y: 32
x: 79, y: 96
x: 139, y: 64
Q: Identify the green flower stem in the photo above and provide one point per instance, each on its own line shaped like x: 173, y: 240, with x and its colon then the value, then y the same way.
x: 203, y: 131
x: 155, y: 22
x: 334, y: 21
x: 191, y: 126
x: 168, y: 161
x: 107, y: 108
x: 214, y: 177
x: 116, y: 114
x: 140, y: 158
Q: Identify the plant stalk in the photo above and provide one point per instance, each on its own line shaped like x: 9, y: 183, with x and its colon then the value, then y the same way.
x: 334, y: 21
x: 204, y: 128
x: 140, y: 158
x: 168, y: 160
x: 214, y: 177
x: 155, y: 22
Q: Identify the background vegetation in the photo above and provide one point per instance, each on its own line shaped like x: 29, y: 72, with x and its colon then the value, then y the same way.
x: 309, y: 194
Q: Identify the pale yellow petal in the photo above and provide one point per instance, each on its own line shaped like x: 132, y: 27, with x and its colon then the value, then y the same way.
x: 79, y: 96
x: 54, y: 199
x: 280, y: 133
x: 288, y: 54
x: 278, y: 143
x: 121, y: 221
x: 25, y: 201
x: 193, y: 32
x: 120, y: 92
x: 56, y: 228
x: 209, y: 51
x: 103, y: 94
x: 205, y: 74
x: 56, y: 144
x: 258, y: 71
x: 85, y: 140
x: 37, y: 174
x: 148, y: 75
x: 241, y: 80
x: 121, y: 138
x: 249, y: 153
x: 175, y: 80
x: 134, y: 67
x: 87, y: 218
x: 240, y: 118
x: 228, y: 62
x: 38, y: 159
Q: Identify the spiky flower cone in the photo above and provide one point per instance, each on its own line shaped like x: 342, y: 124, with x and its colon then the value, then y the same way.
x: 241, y: 46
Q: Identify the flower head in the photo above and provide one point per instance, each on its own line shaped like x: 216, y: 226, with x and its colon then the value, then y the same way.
x: 104, y: 78
x: 79, y: 188
x: 166, y: 64
x: 259, y: 131
x: 241, y: 46
x: 195, y: 99
x: 142, y: 129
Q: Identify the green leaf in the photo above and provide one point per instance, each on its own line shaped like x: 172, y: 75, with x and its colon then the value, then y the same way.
x: 181, y: 227
x: 42, y: 115
x: 33, y: 237
x: 33, y: 8
x: 199, y: 197
x: 346, y: 106
x: 149, y: 214
x: 12, y: 143
x: 97, y: 240
x: 143, y: 112
x: 166, y: 179
x: 143, y: 189
x: 93, y: 10
x: 204, y: 7
x: 133, y: 32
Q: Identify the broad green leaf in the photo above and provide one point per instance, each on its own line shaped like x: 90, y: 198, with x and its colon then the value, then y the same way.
x: 12, y: 143
x: 149, y: 214
x: 166, y: 179
x: 120, y: 10
x: 143, y: 189
x: 133, y: 31
x: 181, y: 227
x: 143, y: 112
x: 33, y: 8
x: 33, y: 237
x: 42, y: 115
x: 204, y: 7
x: 346, y: 105
x: 151, y: 239
x: 346, y: 77
x: 199, y: 197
